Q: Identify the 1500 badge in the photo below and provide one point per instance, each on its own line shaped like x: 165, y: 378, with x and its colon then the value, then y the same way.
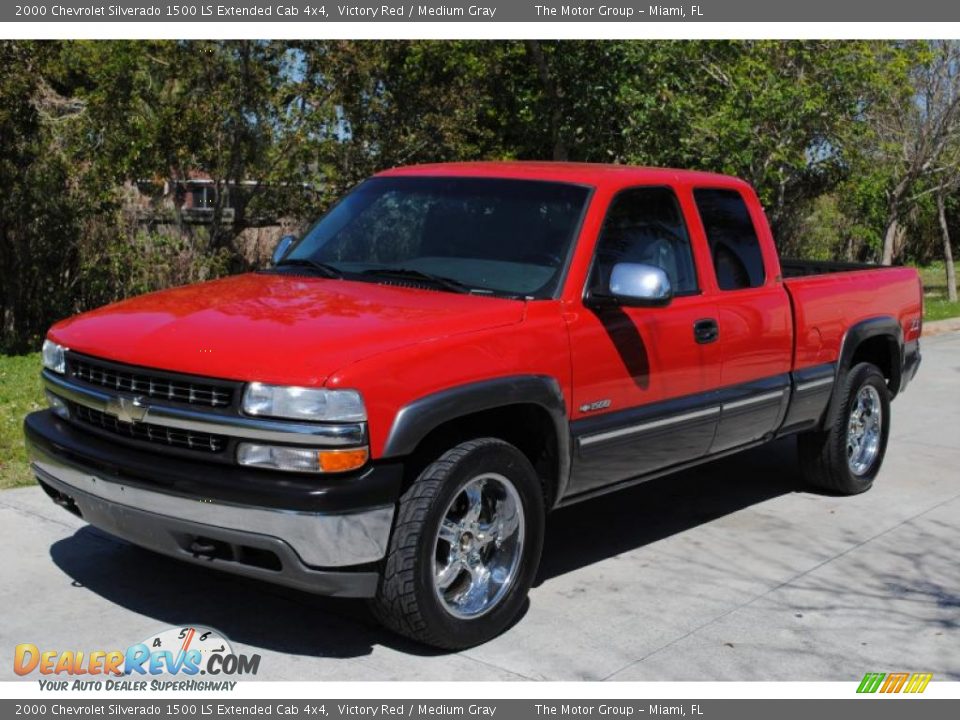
x: 594, y: 406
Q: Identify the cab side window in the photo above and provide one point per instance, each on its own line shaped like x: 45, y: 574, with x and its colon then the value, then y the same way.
x: 645, y: 225
x: 734, y: 246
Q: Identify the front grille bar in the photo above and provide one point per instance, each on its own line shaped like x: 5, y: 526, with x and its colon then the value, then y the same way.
x: 203, y: 442
x: 186, y: 390
x: 195, y: 420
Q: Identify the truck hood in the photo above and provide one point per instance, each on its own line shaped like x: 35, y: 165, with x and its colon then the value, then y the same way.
x: 275, y: 328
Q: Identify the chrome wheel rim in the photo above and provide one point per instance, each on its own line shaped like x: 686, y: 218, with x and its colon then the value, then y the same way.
x: 478, y: 546
x: 863, y: 430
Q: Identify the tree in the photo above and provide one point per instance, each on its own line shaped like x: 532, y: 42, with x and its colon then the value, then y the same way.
x: 44, y: 201
x: 163, y: 110
x: 947, y: 249
x: 916, y: 127
x: 847, y: 143
x: 362, y: 106
x: 786, y: 116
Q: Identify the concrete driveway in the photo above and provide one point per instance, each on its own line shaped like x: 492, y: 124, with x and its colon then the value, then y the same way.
x: 730, y: 572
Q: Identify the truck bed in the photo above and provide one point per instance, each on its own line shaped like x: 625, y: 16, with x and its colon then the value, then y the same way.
x: 828, y: 298
x: 795, y: 267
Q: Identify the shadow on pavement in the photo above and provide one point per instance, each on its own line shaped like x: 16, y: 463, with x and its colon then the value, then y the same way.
x: 297, y: 623
x: 582, y: 534
x: 246, y: 611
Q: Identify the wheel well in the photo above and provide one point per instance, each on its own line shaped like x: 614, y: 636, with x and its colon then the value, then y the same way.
x: 526, y: 426
x: 882, y: 351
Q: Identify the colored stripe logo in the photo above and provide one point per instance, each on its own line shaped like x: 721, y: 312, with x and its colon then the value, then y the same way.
x: 895, y: 682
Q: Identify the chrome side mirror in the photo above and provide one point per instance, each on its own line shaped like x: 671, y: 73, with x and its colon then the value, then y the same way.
x: 639, y: 284
x: 281, y: 249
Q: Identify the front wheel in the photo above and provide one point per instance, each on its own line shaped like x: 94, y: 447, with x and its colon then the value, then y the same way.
x: 465, y: 548
x: 846, y: 456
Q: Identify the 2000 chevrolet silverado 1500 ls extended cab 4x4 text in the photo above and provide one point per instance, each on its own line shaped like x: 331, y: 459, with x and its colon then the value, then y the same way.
x: 453, y: 350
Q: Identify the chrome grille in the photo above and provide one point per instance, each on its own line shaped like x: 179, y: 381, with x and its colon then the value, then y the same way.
x: 142, y: 383
x: 147, y: 432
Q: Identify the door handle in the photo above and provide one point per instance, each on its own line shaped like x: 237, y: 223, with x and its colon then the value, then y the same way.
x: 706, y: 331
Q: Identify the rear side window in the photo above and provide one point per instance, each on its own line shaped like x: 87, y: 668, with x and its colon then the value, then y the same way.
x: 645, y: 225
x: 734, y: 246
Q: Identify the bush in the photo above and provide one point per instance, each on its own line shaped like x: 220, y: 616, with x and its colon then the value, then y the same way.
x: 143, y: 260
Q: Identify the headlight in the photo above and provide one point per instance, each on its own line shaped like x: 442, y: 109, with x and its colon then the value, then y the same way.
x: 300, y: 403
x: 54, y: 357
x: 300, y: 459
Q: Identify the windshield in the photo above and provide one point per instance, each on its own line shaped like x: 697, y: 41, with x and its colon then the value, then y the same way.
x: 481, y: 235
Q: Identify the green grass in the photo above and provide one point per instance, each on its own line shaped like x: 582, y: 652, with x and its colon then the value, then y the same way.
x: 936, y: 305
x: 20, y: 393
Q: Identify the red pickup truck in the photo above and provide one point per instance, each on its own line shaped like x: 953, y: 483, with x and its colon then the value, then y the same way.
x: 453, y: 350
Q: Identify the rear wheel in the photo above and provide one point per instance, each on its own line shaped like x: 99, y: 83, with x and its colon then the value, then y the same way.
x: 846, y: 456
x: 465, y: 548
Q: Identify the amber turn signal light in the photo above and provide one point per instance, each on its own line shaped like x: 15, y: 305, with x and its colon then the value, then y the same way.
x: 301, y: 459
x: 342, y: 460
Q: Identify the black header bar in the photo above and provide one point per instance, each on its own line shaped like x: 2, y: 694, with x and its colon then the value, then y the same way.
x: 484, y: 11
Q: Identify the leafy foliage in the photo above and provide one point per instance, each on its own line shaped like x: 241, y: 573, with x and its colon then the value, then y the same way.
x: 283, y: 128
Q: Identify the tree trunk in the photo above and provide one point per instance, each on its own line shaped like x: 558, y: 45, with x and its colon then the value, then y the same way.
x: 554, y: 96
x: 894, y: 207
x: 848, y: 248
x: 889, y: 240
x: 947, y: 250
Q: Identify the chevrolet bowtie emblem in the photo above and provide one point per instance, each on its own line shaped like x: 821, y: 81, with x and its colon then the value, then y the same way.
x: 127, y: 409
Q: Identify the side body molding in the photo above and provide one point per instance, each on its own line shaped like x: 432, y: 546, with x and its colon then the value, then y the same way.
x: 416, y: 420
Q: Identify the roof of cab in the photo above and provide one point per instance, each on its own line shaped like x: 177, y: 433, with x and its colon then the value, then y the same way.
x: 596, y: 174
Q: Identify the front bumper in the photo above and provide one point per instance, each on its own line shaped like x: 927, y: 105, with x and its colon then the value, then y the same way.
x: 311, y: 534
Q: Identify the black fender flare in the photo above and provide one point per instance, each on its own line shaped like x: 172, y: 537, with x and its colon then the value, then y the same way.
x: 880, y: 326
x: 414, y: 421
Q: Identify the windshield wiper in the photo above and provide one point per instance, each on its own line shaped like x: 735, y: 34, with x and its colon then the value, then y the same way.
x: 420, y: 276
x: 323, y: 268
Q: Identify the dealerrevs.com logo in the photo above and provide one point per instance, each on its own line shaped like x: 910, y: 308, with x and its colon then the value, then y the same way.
x: 185, y: 652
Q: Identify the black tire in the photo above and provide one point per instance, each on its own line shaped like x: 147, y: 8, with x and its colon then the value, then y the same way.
x: 823, y: 454
x: 407, y: 601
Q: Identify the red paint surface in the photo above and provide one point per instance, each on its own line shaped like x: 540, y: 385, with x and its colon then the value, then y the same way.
x: 397, y: 344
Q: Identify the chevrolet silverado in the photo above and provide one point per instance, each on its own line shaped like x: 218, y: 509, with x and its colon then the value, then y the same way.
x: 391, y: 408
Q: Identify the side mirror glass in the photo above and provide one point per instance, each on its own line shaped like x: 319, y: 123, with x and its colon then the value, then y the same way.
x: 638, y: 284
x: 281, y: 249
